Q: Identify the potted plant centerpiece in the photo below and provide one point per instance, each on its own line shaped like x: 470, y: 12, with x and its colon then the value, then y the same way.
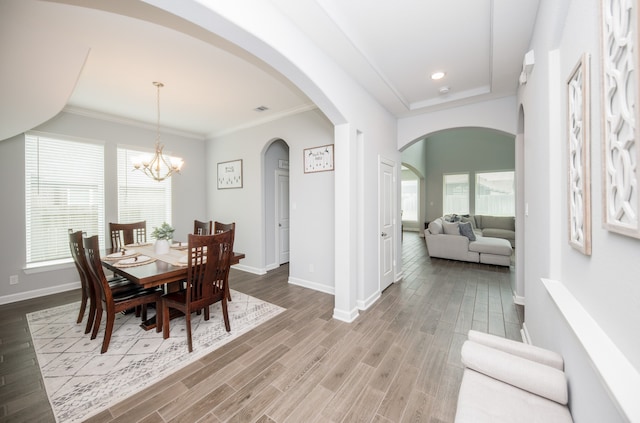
x: 163, y: 235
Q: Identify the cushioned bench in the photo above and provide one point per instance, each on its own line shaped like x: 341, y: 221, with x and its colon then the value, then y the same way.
x: 508, y: 381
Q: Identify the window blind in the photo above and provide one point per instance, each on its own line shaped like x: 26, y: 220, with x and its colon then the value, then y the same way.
x: 140, y: 197
x: 64, y: 189
x: 496, y: 193
x: 455, y: 191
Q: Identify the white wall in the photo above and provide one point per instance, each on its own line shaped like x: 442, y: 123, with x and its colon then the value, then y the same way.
x: 311, y: 197
x: 188, y: 194
x: 604, y: 284
x: 364, y: 131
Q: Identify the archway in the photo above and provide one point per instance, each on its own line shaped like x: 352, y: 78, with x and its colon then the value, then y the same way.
x: 275, y: 181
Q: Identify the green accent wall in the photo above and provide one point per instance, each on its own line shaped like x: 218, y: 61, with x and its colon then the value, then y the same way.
x: 457, y: 151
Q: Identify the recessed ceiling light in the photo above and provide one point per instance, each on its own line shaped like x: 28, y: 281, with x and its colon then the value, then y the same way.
x: 437, y: 75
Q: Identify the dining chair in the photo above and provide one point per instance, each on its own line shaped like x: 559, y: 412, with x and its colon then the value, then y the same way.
x: 86, y: 283
x: 208, y: 267
x: 219, y: 227
x: 115, y: 300
x: 123, y: 234
x: 202, y: 228
x: 88, y: 295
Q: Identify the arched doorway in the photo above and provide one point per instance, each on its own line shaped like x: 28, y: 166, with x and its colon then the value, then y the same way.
x: 276, y: 203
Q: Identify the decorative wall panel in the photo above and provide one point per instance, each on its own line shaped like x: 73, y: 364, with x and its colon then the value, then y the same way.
x: 620, y: 151
x: 578, y: 142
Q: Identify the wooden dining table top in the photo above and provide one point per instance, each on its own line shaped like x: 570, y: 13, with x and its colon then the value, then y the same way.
x: 157, y: 272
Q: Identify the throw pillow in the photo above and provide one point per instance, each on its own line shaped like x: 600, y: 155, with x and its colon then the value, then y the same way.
x: 451, y: 228
x: 467, y: 230
x: 435, y: 228
x: 470, y: 220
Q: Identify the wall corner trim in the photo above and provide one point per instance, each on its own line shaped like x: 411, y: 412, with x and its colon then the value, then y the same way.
x: 620, y: 378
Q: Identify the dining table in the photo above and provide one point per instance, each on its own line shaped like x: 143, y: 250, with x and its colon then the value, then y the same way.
x: 140, y: 264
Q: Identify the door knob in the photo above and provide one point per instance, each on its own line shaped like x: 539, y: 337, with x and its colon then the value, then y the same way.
x: 383, y: 234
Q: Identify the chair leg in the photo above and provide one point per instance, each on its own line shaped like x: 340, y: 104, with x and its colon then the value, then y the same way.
x: 187, y: 318
x: 96, y: 323
x: 159, y: 316
x: 206, y: 313
x: 107, y: 332
x: 92, y: 316
x: 165, y: 320
x: 83, y: 305
x: 225, y: 314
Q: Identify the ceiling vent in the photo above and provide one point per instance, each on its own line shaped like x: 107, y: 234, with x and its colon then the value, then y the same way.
x: 261, y: 108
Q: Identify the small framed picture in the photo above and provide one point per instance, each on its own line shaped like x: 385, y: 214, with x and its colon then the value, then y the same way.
x: 230, y: 174
x: 318, y: 159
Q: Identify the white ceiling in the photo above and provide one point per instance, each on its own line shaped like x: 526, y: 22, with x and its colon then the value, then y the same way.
x: 211, y: 87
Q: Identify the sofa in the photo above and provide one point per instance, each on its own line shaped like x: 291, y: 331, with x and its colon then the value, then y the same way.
x: 495, y: 226
x: 508, y: 381
x: 460, y: 241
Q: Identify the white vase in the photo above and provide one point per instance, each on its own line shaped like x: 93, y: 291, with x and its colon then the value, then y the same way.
x: 161, y: 246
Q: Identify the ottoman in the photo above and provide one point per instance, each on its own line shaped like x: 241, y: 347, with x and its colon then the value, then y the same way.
x: 492, y: 250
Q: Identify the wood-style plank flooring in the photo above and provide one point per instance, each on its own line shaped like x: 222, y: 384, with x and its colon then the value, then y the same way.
x: 398, y: 362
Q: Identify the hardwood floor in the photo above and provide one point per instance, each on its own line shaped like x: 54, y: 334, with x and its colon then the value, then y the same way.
x: 398, y: 362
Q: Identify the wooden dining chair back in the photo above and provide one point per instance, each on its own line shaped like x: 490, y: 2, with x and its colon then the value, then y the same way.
x: 113, y: 301
x: 87, y: 294
x: 202, y: 228
x: 123, y: 234
x: 207, y: 275
x: 219, y: 227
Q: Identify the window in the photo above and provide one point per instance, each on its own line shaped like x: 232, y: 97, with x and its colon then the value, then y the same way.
x: 495, y: 193
x: 410, y: 200
x: 455, y: 193
x: 140, y: 197
x: 64, y: 189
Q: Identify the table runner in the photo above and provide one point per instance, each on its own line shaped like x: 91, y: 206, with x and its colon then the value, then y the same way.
x: 172, y: 257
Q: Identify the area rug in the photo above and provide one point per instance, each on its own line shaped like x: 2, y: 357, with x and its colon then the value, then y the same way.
x: 81, y: 382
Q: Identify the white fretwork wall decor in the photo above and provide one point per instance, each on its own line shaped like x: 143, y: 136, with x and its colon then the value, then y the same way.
x: 578, y: 140
x: 620, y: 151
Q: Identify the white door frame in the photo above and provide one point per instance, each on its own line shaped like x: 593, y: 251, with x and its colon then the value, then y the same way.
x: 278, y: 173
x: 393, y: 209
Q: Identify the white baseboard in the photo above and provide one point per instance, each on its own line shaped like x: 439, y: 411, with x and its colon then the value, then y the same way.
x: 254, y: 270
x: 517, y: 299
x: 36, y: 293
x: 365, y: 304
x: 312, y: 285
x: 345, y: 316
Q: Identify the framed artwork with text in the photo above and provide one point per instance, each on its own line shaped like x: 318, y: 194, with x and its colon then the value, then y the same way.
x: 318, y: 159
x: 230, y: 174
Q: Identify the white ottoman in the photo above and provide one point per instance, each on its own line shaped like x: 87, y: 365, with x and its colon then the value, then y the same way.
x: 492, y: 250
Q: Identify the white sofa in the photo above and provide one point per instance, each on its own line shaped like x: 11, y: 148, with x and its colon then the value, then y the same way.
x: 444, y: 240
x: 508, y: 381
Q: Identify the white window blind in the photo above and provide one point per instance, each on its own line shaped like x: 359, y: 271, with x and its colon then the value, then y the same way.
x: 496, y: 193
x: 64, y: 189
x: 409, y: 200
x: 139, y: 196
x: 455, y: 193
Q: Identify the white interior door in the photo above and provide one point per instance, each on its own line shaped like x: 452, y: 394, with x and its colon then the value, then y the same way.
x: 386, y: 211
x: 282, y: 216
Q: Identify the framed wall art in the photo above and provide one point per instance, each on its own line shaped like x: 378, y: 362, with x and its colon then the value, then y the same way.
x: 230, y: 174
x: 579, y: 154
x: 620, y: 118
x: 318, y: 159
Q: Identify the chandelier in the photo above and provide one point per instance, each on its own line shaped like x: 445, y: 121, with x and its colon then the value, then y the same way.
x: 159, y: 167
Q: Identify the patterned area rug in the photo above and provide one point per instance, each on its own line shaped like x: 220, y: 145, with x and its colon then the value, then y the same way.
x: 81, y: 382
